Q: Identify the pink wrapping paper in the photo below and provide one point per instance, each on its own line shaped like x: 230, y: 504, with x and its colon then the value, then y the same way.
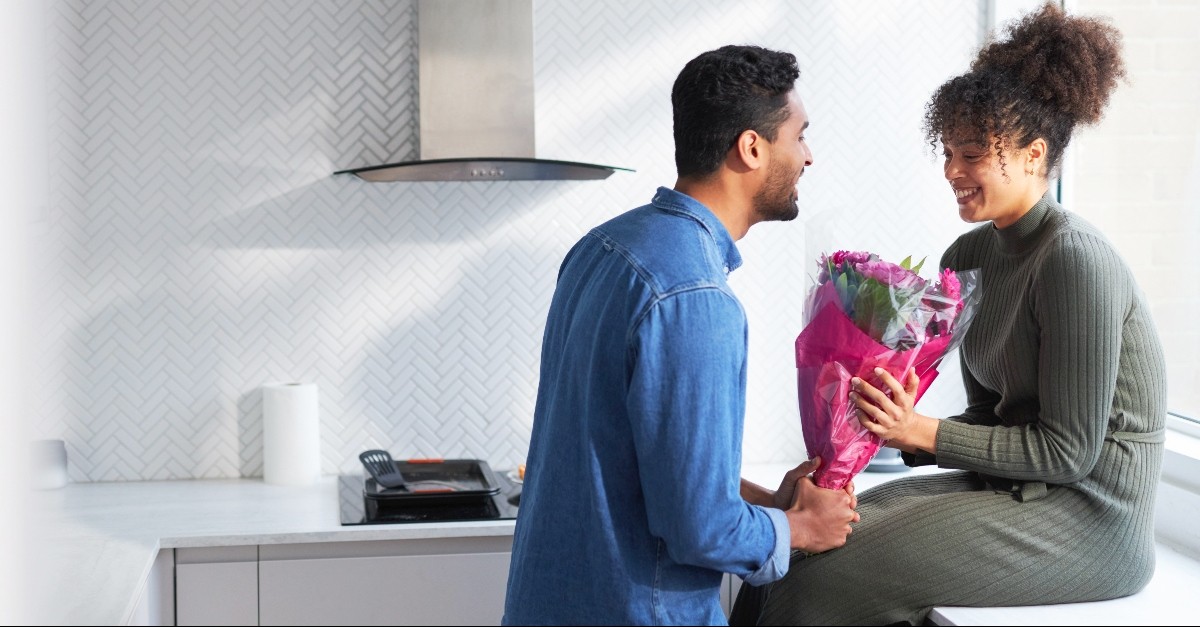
x: 829, y: 352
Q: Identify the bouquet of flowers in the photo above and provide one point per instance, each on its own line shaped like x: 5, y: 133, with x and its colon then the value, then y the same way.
x: 865, y: 313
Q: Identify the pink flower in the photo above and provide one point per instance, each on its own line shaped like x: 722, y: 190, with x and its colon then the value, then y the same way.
x: 835, y: 264
x: 950, y: 285
x: 823, y: 269
x: 889, y: 274
x: 842, y: 256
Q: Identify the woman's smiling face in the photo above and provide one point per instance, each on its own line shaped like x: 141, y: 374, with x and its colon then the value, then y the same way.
x: 985, y: 188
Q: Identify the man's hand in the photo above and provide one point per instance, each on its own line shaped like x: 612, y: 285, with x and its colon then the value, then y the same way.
x: 784, y: 496
x: 819, y: 518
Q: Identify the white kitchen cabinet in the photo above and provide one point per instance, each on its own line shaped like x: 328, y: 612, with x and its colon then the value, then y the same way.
x: 435, y: 581
x: 155, y: 602
x: 216, y: 586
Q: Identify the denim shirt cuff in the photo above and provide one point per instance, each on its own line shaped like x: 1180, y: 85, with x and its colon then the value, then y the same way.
x: 776, y: 565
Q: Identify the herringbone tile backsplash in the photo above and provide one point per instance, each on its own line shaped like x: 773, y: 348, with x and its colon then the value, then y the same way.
x: 196, y: 245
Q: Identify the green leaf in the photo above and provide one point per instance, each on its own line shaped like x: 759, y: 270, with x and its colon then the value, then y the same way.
x: 917, y: 270
x: 843, y: 291
x: 907, y: 263
x: 873, y: 308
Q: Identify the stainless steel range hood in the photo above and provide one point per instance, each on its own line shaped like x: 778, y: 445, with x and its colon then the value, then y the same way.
x: 476, y: 99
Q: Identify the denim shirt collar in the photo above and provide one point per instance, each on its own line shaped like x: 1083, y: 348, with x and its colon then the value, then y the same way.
x: 670, y: 200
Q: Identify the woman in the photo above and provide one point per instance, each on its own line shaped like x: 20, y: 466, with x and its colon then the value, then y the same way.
x: 1060, y: 447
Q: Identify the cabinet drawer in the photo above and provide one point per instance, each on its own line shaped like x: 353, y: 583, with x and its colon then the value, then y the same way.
x: 443, y: 582
x: 216, y: 586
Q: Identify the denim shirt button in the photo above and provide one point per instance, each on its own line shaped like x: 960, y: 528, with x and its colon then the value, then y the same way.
x: 607, y: 247
x: 726, y: 269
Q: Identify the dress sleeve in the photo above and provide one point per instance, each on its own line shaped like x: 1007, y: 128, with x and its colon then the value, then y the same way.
x: 686, y: 403
x: 981, y: 402
x: 981, y: 410
x: 1080, y: 298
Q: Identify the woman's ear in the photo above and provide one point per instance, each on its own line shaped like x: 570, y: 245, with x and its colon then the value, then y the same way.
x: 1035, y: 155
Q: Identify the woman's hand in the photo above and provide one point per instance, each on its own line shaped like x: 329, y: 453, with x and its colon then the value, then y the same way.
x: 893, y: 419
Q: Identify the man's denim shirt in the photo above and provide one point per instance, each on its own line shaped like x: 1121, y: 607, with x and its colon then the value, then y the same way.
x: 631, y: 510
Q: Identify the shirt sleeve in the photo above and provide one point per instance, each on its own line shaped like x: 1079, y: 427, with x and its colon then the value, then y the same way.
x: 686, y: 402
x: 777, y: 565
x: 1080, y: 300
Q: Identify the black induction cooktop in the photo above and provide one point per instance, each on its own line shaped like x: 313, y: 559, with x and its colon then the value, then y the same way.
x: 357, y: 508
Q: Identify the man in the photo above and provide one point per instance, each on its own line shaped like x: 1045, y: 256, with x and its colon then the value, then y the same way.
x: 631, y: 508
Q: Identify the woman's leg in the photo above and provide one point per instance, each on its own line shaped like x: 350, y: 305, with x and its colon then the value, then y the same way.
x: 752, y: 601
x: 946, y: 539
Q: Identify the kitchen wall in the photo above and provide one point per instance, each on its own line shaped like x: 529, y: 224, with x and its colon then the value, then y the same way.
x: 195, y: 245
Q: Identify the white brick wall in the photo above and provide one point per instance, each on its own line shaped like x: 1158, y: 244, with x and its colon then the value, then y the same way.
x: 1136, y: 175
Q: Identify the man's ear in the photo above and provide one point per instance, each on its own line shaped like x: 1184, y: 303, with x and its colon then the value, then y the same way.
x: 749, y: 151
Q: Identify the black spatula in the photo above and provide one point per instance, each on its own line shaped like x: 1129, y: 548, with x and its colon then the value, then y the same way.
x: 381, y: 466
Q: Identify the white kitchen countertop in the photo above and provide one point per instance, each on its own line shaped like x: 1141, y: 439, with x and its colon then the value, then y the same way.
x: 92, y: 545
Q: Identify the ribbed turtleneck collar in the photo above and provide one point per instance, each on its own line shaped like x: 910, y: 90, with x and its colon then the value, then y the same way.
x: 1021, y: 235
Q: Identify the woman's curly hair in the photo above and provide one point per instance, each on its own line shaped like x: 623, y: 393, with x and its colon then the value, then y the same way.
x: 1049, y: 73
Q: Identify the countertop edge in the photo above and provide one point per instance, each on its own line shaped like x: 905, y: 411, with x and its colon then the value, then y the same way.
x: 139, y: 587
x: 353, y: 533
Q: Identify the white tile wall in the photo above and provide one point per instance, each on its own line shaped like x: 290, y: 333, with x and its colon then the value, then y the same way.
x: 1137, y: 173
x: 195, y: 245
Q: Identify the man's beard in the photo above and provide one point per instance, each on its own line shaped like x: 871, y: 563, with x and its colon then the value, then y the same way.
x: 775, y: 201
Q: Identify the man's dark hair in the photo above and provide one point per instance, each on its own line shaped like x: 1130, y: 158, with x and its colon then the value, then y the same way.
x: 723, y: 93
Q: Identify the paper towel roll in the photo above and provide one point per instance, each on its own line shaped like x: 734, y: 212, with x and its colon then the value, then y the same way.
x: 291, y: 434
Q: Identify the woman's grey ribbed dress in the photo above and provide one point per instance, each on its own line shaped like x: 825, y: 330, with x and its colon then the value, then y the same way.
x: 1061, y: 443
